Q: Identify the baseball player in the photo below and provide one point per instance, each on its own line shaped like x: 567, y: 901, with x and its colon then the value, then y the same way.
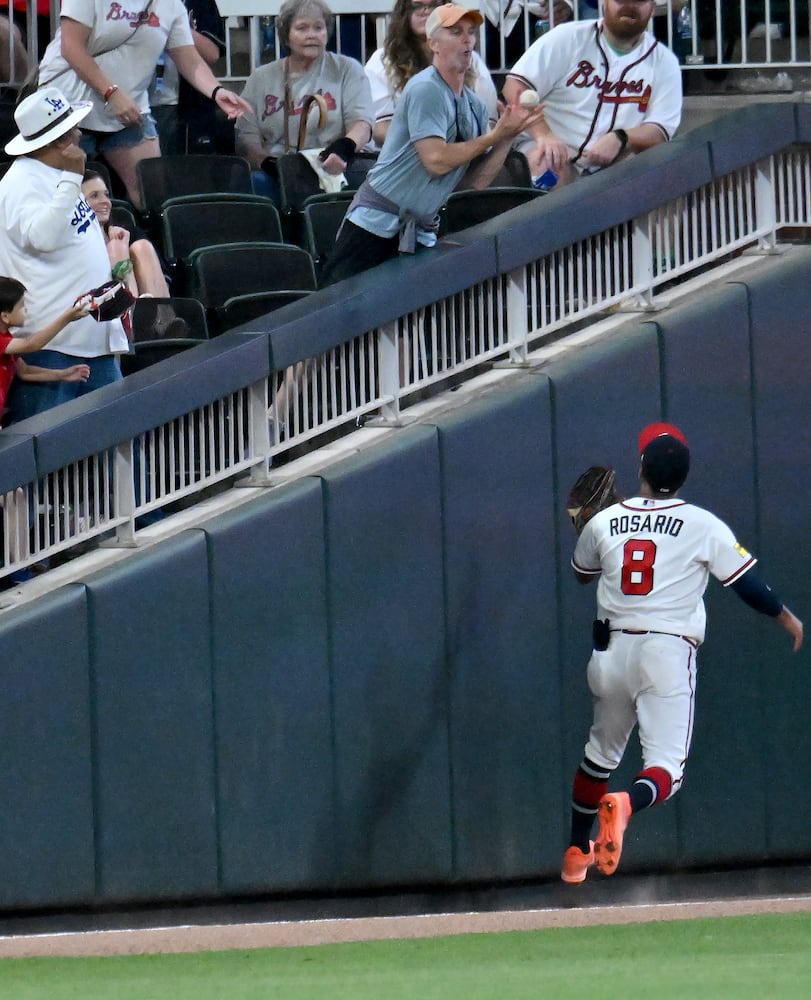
x: 608, y: 89
x: 651, y: 555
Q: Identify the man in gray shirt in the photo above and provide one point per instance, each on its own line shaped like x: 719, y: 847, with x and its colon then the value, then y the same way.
x: 438, y: 140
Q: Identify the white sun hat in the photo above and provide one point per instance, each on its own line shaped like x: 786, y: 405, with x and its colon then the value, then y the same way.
x: 43, y: 117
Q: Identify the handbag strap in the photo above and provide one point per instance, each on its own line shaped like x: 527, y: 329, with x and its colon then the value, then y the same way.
x: 307, y: 103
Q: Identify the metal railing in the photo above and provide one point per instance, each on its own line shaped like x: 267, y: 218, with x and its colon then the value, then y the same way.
x: 103, y: 494
x: 733, y: 34
x: 503, y: 316
x: 720, y: 34
x: 106, y: 491
x: 379, y: 371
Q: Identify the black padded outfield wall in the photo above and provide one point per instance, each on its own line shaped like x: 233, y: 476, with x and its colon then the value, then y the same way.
x: 376, y: 676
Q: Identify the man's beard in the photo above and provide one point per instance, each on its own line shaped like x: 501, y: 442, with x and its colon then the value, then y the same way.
x: 625, y: 31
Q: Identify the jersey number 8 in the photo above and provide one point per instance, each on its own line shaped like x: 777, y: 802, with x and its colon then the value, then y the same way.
x: 638, y: 557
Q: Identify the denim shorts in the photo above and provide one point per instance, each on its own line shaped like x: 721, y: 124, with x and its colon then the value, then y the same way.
x: 93, y: 142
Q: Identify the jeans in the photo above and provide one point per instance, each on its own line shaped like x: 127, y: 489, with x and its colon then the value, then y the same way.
x: 28, y: 398
x: 95, y: 142
x: 266, y: 185
x: 356, y: 250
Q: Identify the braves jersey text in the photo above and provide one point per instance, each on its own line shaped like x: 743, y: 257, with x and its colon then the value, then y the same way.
x: 588, y: 89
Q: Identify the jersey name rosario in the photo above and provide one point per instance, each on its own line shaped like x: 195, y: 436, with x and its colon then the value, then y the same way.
x: 655, y: 524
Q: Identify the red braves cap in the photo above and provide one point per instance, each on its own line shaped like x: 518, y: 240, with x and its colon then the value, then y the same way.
x: 647, y: 434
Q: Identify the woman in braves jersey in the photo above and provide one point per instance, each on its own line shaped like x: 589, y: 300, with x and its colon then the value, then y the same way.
x: 652, y: 556
x: 277, y: 91
x: 608, y: 89
x: 105, y: 52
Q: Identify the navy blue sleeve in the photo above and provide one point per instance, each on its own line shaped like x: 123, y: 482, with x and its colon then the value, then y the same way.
x: 751, y: 589
x: 208, y: 21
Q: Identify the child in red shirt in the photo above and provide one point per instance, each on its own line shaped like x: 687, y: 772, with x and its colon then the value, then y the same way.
x: 13, y: 313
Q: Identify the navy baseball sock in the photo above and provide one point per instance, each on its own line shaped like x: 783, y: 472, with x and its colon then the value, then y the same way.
x: 590, y: 785
x: 650, y: 786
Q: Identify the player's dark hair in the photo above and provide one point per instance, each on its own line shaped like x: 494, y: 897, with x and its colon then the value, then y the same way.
x: 665, y: 464
x: 11, y: 291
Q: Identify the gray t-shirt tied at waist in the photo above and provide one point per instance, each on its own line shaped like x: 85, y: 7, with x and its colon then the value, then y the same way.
x: 366, y: 197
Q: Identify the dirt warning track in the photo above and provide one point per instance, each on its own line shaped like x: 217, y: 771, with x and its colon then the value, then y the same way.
x: 297, y: 933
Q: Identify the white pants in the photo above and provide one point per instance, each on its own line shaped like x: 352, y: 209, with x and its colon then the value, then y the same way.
x: 649, y: 679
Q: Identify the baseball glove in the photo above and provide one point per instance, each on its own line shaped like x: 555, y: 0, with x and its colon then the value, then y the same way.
x: 108, y: 301
x: 592, y: 491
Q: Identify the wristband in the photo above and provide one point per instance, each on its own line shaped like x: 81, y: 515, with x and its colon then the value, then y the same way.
x: 622, y: 135
x: 214, y: 91
x: 343, y: 147
x: 108, y: 93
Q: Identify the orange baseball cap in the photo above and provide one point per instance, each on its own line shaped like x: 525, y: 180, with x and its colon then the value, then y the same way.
x: 447, y: 15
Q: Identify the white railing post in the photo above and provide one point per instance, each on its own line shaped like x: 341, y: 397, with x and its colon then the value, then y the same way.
x: 124, y: 493
x: 766, y: 205
x: 389, y: 351
x: 517, y: 316
x: 643, y: 263
x: 259, y: 434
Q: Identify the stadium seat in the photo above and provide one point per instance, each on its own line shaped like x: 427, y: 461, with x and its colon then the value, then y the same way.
x: 323, y: 215
x: 162, y: 328
x: 163, y: 177
x: 219, y: 273
x: 244, y: 308
x: 470, y: 207
x: 190, y: 224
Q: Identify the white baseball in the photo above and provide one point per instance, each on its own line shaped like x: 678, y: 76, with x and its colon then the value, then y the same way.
x: 529, y: 99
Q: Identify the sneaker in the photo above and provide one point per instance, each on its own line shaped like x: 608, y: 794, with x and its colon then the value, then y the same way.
x: 176, y: 329
x: 614, y: 813
x: 576, y: 864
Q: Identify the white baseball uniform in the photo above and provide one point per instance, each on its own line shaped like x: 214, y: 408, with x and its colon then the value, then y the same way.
x: 126, y: 40
x: 654, y: 558
x: 588, y: 89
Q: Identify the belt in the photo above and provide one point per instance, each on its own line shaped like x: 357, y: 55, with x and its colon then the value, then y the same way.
x: 653, y: 631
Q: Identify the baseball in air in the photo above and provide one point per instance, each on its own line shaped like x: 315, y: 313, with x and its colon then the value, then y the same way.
x: 529, y: 99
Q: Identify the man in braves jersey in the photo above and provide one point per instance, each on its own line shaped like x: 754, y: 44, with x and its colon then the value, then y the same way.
x: 652, y: 556
x: 608, y: 89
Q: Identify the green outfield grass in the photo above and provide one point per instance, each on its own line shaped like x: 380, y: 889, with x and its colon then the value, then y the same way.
x: 765, y: 957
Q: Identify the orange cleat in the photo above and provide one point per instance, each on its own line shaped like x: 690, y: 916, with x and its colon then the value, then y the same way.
x: 614, y: 813
x: 576, y: 864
